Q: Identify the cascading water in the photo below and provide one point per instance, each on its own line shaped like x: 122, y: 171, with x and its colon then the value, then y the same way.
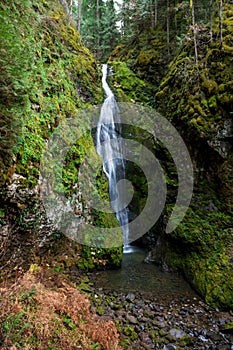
x: 109, y: 147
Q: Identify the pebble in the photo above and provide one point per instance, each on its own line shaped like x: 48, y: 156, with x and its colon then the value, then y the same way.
x: 130, y: 297
x: 202, y: 338
x: 177, y: 333
x: 160, y: 323
x: 132, y: 319
x: 170, y: 327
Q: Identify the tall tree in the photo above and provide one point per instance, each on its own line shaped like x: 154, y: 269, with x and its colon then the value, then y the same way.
x: 168, y: 27
x: 97, y: 11
x: 98, y: 27
x: 109, y: 34
x: 155, y: 12
x: 194, y: 26
x: 79, y: 15
x: 220, y: 21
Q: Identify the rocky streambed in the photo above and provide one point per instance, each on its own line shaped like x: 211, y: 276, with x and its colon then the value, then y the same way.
x: 157, y: 323
x: 167, y: 315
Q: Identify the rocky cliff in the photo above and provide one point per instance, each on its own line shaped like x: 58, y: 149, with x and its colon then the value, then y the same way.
x: 196, y: 97
x: 48, y: 77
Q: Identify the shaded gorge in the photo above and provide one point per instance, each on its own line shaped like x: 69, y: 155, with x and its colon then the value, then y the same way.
x: 135, y: 275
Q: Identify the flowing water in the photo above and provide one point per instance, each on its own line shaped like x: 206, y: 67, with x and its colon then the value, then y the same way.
x: 109, y: 147
x: 134, y: 275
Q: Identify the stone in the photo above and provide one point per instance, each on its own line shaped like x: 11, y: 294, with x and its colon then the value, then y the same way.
x: 132, y: 319
x: 130, y: 297
x: 202, y: 338
x: 177, y: 333
x: 169, y: 347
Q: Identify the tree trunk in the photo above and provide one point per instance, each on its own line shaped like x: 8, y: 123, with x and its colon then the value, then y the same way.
x: 220, y: 21
x: 168, y: 27
x: 211, y: 22
x: 79, y: 15
x: 155, y: 13
x: 194, y: 31
x: 70, y: 8
x: 65, y: 6
x: 97, y: 29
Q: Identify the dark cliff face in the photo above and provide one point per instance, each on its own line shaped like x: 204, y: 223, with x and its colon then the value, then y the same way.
x: 197, y: 98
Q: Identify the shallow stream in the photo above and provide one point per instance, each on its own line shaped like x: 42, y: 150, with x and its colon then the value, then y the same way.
x: 137, y: 276
x: 157, y: 310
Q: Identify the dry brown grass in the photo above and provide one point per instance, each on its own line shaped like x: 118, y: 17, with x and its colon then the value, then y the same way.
x: 43, y: 310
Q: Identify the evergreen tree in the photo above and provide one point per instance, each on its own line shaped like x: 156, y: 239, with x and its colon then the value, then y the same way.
x: 109, y: 33
x: 98, y: 27
x: 138, y: 15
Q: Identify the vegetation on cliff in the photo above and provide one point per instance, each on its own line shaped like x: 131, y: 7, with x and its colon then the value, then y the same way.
x: 197, y: 99
x: 179, y: 60
x: 195, y: 94
x: 48, y: 77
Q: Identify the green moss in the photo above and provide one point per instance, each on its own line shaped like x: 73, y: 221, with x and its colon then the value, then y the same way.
x: 202, y: 248
x: 92, y: 258
x: 55, y: 77
x: 228, y: 327
x: 209, y: 84
x: 130, y: 332
x: 16, y: 56
x: 127, y: 86
x: 145, y: 54
x: 61, y: 75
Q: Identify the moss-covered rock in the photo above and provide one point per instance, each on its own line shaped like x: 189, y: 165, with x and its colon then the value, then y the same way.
x: 146, y: 54
x: 127, y: 86
x: 52, y: 77
x: 197, y: 99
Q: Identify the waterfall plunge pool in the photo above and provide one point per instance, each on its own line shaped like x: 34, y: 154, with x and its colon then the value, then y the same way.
x: 136, y: 276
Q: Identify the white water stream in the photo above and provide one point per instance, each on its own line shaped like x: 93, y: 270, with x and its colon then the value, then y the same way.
x: 109, y: 147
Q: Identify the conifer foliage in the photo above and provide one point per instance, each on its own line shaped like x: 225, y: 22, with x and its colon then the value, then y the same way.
x: 99, y: 26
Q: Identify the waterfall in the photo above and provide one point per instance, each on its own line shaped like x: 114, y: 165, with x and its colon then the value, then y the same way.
x: 109, y: 147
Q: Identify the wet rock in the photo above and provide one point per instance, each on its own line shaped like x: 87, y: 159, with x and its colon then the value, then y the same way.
x: 143, y: 319
x: 214, y: 336
x: 142, y: 327
x: 139, y: 304
x: 132, y: 319
x: 177, y: 333
x: 161, y: 325
x: 169, y: 347
x: 156, y: 323
x: 202, y: 338
x: 130, y: 297
x: 224, y: 347
x: 146, y: 340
